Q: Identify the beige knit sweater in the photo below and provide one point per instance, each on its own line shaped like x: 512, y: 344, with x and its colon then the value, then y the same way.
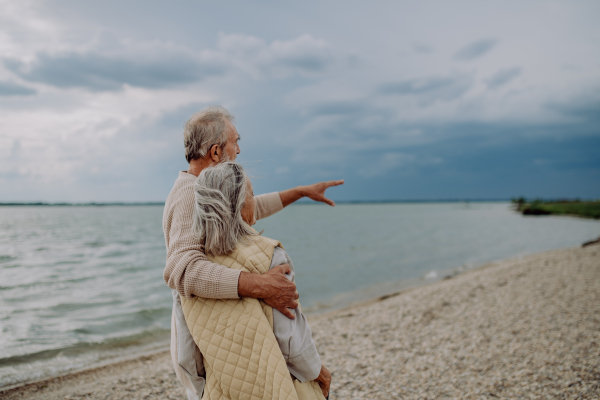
x: 188, y: 270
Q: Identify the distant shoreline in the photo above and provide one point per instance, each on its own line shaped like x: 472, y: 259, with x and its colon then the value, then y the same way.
x: 301, y: 202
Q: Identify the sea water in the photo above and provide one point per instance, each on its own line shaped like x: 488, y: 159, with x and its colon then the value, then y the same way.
x: 82, y: 286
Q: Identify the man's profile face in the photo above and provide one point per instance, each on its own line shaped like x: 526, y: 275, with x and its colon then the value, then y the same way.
x: 232, y: 148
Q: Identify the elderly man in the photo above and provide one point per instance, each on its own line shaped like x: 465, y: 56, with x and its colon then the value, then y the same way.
x: 210, y: 137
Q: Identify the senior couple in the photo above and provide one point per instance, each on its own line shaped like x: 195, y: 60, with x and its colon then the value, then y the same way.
x: 237, y: 331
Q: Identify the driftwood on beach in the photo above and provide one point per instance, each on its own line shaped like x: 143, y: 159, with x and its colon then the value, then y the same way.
x: 522, y: 328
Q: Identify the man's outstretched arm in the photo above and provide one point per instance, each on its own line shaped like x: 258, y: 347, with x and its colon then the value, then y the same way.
x: 315, y: 192
x: 189, y: 271
x: 273, y: 287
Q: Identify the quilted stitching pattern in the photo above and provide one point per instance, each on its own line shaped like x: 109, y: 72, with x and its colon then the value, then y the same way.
x: 241, y: 354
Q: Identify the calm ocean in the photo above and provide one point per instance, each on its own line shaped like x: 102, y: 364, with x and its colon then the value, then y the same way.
x: 83, y: 285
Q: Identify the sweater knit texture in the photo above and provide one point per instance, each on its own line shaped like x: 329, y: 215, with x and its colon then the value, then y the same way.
x: 187, y: 269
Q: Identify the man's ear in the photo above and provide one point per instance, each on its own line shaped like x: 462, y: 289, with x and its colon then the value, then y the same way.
x: 215, y: 153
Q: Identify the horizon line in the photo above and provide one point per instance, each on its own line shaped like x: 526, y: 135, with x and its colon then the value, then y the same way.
x: 302, y: 201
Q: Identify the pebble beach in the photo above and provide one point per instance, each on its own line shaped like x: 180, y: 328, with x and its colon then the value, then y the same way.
x: 526, y: 327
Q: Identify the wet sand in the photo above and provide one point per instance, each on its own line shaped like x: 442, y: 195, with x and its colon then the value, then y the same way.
x: 522, y: 328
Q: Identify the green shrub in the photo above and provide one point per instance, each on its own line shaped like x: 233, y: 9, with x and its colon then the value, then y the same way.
x: 589, y: 209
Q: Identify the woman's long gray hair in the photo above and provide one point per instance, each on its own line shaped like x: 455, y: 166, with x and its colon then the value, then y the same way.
x: 220, y: 196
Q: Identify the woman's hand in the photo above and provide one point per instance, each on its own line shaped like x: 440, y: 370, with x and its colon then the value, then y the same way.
x: 324, y: 380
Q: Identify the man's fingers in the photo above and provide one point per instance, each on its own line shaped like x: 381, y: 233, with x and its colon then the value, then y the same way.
x: 334, y: 183
x: 287, y: 313
x: 285, y: 268
x: 327, y: 201
x: 281, y: 269
x: 328, y: 185
x: 323, y: 199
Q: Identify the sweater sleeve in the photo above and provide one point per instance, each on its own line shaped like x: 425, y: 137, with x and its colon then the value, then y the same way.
x: 294, y: 335
x: 267, y: 204
x: 187, y: 269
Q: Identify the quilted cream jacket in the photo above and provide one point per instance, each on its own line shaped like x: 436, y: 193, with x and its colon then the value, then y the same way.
x: 241, y: 355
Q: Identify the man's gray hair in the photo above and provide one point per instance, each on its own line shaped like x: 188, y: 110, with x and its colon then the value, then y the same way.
x: 220, y: 196
x: 203, y: 130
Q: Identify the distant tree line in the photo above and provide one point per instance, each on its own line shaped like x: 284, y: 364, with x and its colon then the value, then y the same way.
x: 577, y: 207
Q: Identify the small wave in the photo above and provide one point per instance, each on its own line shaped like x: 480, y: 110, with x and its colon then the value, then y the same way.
x: 112, y: 254
x: 133, y: 268
x: 111, y: 325
x: 47, y: 283
x: 430, y: 275
x: 68, y: 262
x: 6, y: 258
x: 77, y: 306
x: 154, y: 335
x: 11, y: 266
x: 96, y: 243
x: 145, y: 315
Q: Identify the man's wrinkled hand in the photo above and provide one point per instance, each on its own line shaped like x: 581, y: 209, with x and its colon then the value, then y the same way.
x: 316, y: 191
x: 324, y: 380
x: 278, y: 291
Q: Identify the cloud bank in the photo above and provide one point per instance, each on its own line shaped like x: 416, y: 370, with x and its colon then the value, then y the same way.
x: 92, y: 103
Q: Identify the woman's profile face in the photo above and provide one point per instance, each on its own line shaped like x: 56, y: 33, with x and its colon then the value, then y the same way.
x: 248, y: 210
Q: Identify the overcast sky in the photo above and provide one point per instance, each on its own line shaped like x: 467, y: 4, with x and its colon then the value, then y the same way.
x: 404, y: 100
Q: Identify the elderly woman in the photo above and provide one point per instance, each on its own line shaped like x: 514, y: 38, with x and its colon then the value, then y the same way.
x: 248, y: 350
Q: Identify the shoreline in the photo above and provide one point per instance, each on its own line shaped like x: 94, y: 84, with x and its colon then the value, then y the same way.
x: 384, y: 347
x: 364, y: 297
x: 339, y: 302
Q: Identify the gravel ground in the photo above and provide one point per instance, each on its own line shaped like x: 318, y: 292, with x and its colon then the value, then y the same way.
x: 525, y: 328
x: 522, y: 328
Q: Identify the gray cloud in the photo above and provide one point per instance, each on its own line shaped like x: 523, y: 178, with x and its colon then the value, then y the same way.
x: 15, y: 151
x: 336, y: 108
x: 305, y: 55
x: 429, y: 89
x: 100, y: 72
x: 296, y: 99
x: 585, y: 108
x: 422, y: 48
x: 159, y: 66
x: 305, y: 59
x: 475, y: 50
x: 503, y: 77
x: 8, y: 88
x: 306, y: 62
x: 387, y: 150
